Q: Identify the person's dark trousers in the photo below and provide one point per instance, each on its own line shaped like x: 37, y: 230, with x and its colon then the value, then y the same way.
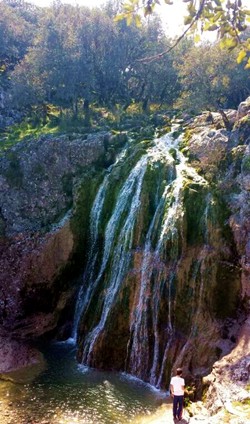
x: 178, y: 406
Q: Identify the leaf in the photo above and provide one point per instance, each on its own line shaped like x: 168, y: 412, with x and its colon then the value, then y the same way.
x: 169, y: 1
x: 187, y: 20
x: 229, y: 43
x: 248, y: 64
x: 212, y: 27
x: 119, y: 17
x: 128, y: 7
x: 138, y: 22
x: 242, y: 54
x: 129, y: 19
x: 197, y: 38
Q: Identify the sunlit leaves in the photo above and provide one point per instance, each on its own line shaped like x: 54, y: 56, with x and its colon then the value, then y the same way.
x: 241, y: 56
x: 229, y: 43
x: 228, y: 17
x: 248, y: 64
x: 197, y: 38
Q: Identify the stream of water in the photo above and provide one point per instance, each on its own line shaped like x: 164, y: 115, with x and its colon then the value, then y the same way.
x: 68, y: 393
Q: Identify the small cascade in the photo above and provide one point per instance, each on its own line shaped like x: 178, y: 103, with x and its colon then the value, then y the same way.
x: 83, y: 296
x: 86, y: 289
x: 147, y: 273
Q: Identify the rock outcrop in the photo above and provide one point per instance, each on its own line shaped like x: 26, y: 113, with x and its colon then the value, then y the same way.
x: 227, y: 386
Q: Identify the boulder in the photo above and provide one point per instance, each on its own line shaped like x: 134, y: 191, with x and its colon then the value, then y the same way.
x: 243, y: 109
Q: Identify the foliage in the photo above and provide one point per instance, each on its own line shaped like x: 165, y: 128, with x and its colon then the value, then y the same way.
x: 79, y: 60
x: 211, y: 79
x: 228, y: 19
x: 15, y: 33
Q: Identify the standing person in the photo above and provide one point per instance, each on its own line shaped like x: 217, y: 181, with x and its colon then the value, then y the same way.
x: 177, y: 385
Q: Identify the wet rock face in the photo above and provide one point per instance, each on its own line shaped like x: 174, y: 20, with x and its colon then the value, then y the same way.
x: 38, y: 182
x: 224, y: 158
x: 30, y: 305
x: 15, y: 355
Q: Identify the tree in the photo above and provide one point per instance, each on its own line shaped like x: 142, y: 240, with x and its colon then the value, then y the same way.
x: 53, y: 70
x: 211, y: 79
x: 154, y: 81
x: 15, y: 35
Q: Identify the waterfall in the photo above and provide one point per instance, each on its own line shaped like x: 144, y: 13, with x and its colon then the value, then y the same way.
x: 86, y: 289
x: 121, y: 257
x: 83, y: 296
x: 127, y: 202
x: 161, y: 240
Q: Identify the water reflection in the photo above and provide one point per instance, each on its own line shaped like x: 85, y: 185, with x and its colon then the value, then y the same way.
x: 66, y: 393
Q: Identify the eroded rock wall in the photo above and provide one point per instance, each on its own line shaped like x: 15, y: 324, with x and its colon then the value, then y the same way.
x: 39, y: 239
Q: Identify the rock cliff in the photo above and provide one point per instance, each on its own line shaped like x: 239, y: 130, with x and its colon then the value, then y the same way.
x: 39, y: 182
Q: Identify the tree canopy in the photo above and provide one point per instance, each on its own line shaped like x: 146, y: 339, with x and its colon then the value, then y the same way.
x: 74, y: 58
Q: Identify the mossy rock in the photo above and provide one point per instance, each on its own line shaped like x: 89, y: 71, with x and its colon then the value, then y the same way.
x: 14, y: 173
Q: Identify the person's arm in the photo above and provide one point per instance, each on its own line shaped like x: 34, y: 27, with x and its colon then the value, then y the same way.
x: 171, y: 390
x: 183, y: 387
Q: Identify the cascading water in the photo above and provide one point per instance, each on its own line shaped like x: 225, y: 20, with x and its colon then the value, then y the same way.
x: 145, y: 254
x: 124, y: 244
x: 83, y: 296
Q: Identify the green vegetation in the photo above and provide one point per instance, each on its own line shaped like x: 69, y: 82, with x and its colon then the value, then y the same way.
x: 14, y: 173
x: 243, y: 407
x: 80, y: 69
x: 24, y: 130
x: 228, y: 19
x: 195, y: 204
x: 246, y: 164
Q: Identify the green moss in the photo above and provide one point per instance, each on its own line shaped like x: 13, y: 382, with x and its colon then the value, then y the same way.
x: 67, y: 184
x: 80, y: 221
x: 2, y: 227
x: 183, y: 314
x: 155, y: 178
x: 226, y: 295
x: 13, y: 173
x: 187, y: 137
x: 246, y: 165
x: 245, y: 402
x: 195, y: 204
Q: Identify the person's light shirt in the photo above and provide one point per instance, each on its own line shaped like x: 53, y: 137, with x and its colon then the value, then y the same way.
x: 178, y: 383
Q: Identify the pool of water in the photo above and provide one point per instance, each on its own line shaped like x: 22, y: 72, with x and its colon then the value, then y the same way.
x: 68, y: 393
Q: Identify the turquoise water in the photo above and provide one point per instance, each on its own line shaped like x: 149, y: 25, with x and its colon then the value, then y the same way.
x: 68, y: 393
